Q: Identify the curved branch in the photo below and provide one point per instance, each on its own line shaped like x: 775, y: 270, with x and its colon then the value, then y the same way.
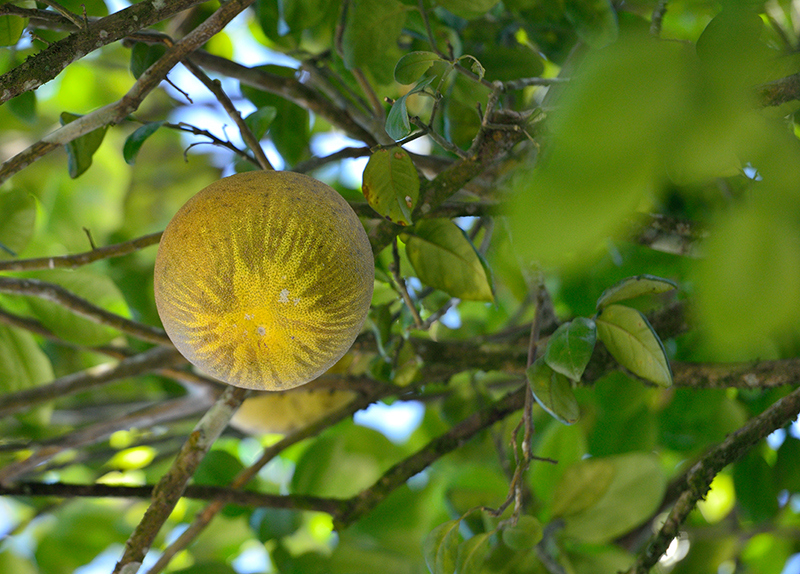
x: 699, y: 478
x: 79, y: 306
x: 116, y: 112
x: 151, y: 360
x: 47, y: 64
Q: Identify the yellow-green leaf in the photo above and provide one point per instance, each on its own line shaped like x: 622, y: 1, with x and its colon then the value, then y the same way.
x: 631, y: 340
x: 440, y: 548
x: 633, y: 287
x: 443, y: 257
x: 391, y: 184
x: 553, y: 392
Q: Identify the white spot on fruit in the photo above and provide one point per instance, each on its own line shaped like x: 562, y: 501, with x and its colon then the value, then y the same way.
x: 261, y: 330
x: 248, y: 317
x: 296, y: 301
x: 284, y: 296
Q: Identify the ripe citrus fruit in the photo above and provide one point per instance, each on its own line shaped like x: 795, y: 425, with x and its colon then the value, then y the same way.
x: 263, y: 279
x: 284, y: 412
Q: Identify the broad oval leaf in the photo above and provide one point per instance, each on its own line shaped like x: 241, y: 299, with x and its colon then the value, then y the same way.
x: 526, y: 533
x: 413, y: 65
x: 391, y: 184
x: 581, y: 486
x: 632, y: 287
x: 17, y: 218
x: 11, y: 28
x: 371, y: 28
x: 22, y: 363
x: 553, y: 392
x: 632, y: 496
x: 631, y: 340
x: 397, y: 124
x: 145, y: 55
x: 570, y: 347
x: 95, y: 288
x: 440, y: 548
x: 444, y: 258
x: 81, y: 150
x: 135, y: 141
x: 260, y: 120
x: 472, y: 553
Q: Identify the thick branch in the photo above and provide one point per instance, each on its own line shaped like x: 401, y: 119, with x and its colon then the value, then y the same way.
x: 699, y: 478
x: 48, y: 63
x: 171, y: 486
x: 116, y: 112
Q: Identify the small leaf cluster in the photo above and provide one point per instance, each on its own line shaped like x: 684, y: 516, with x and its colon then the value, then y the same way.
x: 624, y: 331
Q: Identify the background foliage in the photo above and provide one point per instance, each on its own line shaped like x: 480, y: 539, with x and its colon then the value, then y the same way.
x: 592, y: 204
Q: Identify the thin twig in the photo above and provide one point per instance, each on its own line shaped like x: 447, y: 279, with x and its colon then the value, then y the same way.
x: 394, y: 268
x: 658, y: 17
x: 79, y: 259
x: 215, y: 87
x: 429, y: 30
x: 171, y: 486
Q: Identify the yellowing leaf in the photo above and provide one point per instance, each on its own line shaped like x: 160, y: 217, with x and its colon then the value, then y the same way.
x: 631, y: 340
x: 633, y: 287
x: 391, y: 184
x: 444, y: 258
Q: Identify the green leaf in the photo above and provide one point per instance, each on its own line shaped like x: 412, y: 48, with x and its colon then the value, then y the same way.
x: 570, y: 347
x: 441, y: 548
x: 633, y: 287
x: 633, y: 495
x: 391, y: 184
x: 23, y: 106
x: 145, y: 55
x: 631, y: 340
x: 95, y: 288
x: 525, y: 534
x: 272, y: 523
x: 467, y: 8
x: 371, y: 28
x: 11, y: 28
x: 553, y: 392
x: 260, y: 120
x: 444, y: 258
x: 218, y: 468
x: 472, y: 553
x: 413, y: 65
x: 17, y: 218
x: 134, y: 142
x: 595, y: 21
x: 303, y: 14
x: 581, y: 486
x: 22, y: 363
x: 81, y: 150
x: 397, y: 124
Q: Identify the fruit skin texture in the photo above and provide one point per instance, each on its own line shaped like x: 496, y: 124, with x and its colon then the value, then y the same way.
x: 285, y: 412
x: 263, y: 279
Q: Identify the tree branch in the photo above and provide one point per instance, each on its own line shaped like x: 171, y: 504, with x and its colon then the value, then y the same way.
x: 699, y: 478
x: 150, y: 78
x: 396, y: 476
x: 197, y: 492
x: 171, y: 486
x: 151, y: 360
x: 79, y: 306
x: 47, y: 64
x: 79, y: 259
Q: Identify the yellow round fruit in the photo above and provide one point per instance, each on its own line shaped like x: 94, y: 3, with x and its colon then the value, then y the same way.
x: 264, y: 279
x: 287, y: 411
